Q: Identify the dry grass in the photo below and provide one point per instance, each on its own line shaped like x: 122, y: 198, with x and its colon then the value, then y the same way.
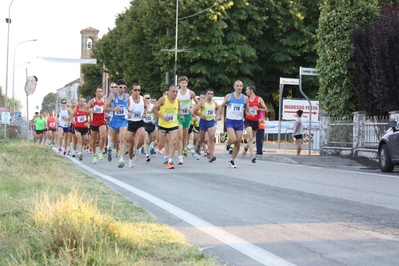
x: 52, y: 214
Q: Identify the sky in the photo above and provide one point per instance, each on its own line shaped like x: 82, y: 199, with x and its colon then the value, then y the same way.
x: 56, y: 25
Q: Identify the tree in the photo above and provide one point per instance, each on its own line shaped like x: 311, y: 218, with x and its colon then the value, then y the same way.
x: 257, y: 41
x: 334, y: 48
x: 375, y: 63
x: 92, y: 79
x: 49, y: 102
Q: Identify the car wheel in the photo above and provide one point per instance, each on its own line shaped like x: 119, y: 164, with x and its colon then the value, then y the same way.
x: 386, y: 164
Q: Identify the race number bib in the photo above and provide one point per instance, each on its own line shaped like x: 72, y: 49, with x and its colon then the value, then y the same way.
x: 81, y: 118
x: 253, y: 111
x: 184, y: 108
x: 148, y: 119
x: 236, y: 108
x: 52, y: 124
x: 121, y: 112
x: 171, y: 117
x: 136, y: 114
x: 209, y: 112
x: 98, y: 109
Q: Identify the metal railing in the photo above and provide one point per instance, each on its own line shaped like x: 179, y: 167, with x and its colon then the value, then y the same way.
x: 341, y: 132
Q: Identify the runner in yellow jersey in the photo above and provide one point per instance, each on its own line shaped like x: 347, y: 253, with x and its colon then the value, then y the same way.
x: 167, y: 110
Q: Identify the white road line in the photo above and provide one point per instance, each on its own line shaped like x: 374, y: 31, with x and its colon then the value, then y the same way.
x: 260, y: 255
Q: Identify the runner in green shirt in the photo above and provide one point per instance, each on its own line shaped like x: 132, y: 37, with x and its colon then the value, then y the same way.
x: 40, y: 123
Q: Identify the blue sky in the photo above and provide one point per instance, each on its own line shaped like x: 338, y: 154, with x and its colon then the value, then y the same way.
x: 56, y: 25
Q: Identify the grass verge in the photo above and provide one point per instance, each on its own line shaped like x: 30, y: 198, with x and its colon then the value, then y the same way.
x: 53, y: 214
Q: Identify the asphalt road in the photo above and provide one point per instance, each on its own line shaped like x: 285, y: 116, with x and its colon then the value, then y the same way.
x: 280, y: 211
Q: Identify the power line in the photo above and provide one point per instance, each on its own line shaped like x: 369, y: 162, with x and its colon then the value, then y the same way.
x: 199, y: 12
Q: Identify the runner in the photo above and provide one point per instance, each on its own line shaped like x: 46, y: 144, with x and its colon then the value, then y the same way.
x: 256, y: 105
x: 95, y: 107
x: 108, y: 142
x: 118, y: 122
x: 185, y: 97
x: 149, y: 127
x: 206, y: 110
x: 71, y: 135
x: 236, y: 103
x: 52, y: 127
x: 167, y: 109
x: 64, y: 119
x: 40, y: 123
x: 135, y: 131
x: 81, y: 128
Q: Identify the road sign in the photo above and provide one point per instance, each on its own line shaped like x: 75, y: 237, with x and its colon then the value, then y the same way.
x: 30, y: 85
x: 307, y: 71
x: 289, y: 81
x: 5, y: 118
x: 291, y: 106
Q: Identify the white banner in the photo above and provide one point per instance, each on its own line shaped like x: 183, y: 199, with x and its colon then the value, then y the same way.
x: 69, y: 60
x: 291, y: 106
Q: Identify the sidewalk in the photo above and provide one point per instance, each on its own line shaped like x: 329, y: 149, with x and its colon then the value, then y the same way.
x: 287, y: 154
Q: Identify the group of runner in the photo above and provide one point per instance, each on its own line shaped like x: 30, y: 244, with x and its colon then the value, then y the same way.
x: 123, y: 121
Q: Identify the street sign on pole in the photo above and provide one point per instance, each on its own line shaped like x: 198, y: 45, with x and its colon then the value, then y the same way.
x: 30, y: 85
x: 308, y: 71
x: 289, y: 81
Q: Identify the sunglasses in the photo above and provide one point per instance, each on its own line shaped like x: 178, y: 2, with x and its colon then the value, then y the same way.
x: 114, y: 87
x: 122, y: 87
x: 147, y: 98
x: 136, y: 90
x: 63, y: 102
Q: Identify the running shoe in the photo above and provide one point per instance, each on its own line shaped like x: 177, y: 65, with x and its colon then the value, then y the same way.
x: 147, y: 159
x: 197, y: 149
x: 121, y: 163
x: 59, y: 151
x: 180, y: 160
x: 64, y: 153
x: 165, y: 160
x: 152, y: 150
x: 253, y: 160
x: 117, y: 154
x: 73, y: 154
x: 80, y: 157
x: 231, y: 164
x: 197, y: 157
x: 105, y: 151
x: 170, y: 165
x: 142, y: 150
x: 94, y: 159
x: 193, y: 153
x: 212, y: 158
x: 131, y: 163
x: 109, y: 153
x: 208, y: 154
x: 227, y: 148
x: 185, y: 153
x: 69, y: 153
x: 244, y: 152
x: 100, y: 155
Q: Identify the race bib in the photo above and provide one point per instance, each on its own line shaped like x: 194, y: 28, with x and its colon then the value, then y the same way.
x: 136, y: 114
x: 121, y: 111
x: 98, y: 109
x: 52, y: 124
x: 171, y: 117
x: 148, y: 119
x: 184, y: 108
x: 253, y: 111
x: 236, y: 108
x: 210, y: 112
x: 81, y: 118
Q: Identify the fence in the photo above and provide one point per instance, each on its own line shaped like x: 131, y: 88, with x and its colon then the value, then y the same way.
x: 351, y: 136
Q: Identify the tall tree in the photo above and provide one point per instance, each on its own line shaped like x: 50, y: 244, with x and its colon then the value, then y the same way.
x: 376, y: 63
x: 49, y: 102
x: 334, y: 48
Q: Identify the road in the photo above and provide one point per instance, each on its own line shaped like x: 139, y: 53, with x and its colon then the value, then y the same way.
x: 268, y: 213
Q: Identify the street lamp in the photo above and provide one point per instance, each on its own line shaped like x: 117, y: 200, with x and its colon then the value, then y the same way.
x: 8, y: 21
x: 13, y: 82
x: 13, y: 74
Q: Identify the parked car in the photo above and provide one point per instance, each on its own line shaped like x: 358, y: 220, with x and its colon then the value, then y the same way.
x: 388, y: 148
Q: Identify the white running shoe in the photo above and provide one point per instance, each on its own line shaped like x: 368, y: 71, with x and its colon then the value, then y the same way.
x: 131, y: 163
x: 121, y: 163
